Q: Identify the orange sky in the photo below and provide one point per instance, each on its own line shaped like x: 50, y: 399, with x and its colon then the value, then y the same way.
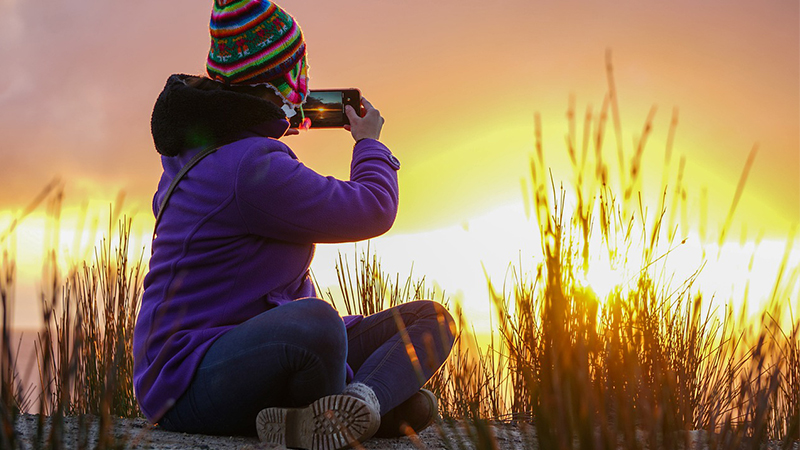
x: 457, y: 81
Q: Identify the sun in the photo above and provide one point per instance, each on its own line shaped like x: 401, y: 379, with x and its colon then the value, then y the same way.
x: 603, y: 279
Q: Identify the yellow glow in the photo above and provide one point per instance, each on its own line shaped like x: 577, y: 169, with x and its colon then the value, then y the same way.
x: 602, y: 279
x: 464, y: 131
x: 73, y: 240
x: 457, y: 258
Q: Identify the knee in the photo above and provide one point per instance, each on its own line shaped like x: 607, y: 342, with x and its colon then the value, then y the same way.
x: 445, y: 324
x: 321, y: 324
x: 317, y: 309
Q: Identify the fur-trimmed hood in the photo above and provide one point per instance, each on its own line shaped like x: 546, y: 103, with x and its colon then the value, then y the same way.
x: 190, y: 113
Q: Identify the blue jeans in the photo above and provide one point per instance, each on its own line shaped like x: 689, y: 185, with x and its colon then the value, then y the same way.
x: 294, y: 354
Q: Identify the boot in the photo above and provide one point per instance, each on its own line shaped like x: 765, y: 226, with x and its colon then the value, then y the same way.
x: 331, y: 423
x: 411, y: 416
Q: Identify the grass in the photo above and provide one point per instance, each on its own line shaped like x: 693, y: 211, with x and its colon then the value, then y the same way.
x: 644, y: 367
x: 648, y: 364
x: 83, y: 349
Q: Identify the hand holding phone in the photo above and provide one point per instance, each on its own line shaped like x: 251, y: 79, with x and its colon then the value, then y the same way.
x: 367, y: 126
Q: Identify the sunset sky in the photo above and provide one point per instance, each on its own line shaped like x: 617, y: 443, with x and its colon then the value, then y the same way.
x: 458, y: 82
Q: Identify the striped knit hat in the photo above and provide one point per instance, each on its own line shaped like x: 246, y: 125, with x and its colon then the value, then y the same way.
x: 256, y: 42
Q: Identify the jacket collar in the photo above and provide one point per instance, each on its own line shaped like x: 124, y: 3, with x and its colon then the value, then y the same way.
x: 192, y: 112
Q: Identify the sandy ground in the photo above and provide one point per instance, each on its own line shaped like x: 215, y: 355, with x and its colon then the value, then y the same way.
x: 140, y: 435
x: 137, y: 434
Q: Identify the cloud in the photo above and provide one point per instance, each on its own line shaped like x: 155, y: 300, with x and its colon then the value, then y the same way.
x: 11, y: 23
x: 80, y: 81
x: 17, y: 86
x: 81, y: 114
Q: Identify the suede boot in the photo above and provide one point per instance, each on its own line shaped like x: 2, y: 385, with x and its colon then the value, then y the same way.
x: 411, y: 416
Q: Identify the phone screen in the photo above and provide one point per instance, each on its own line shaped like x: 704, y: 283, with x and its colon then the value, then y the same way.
x: 325, y: 108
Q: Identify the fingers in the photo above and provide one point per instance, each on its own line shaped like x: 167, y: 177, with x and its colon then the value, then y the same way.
x: 351, y: 113
x: 371, y: 111
x: 367, y: 125
x: 367, y: 105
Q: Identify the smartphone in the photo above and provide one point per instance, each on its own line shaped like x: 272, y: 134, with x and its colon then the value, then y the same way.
x: 324, y: 108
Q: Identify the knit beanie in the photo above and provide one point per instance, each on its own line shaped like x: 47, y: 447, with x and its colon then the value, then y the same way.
x: 255, y: 42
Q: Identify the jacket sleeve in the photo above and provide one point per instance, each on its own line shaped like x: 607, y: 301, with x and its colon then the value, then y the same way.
x: 280, y: 198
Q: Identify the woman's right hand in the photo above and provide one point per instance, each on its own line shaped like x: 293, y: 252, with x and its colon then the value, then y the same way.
x: 366, y: 127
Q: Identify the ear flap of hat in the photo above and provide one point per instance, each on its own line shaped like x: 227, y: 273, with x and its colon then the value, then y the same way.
x: 293, y: 85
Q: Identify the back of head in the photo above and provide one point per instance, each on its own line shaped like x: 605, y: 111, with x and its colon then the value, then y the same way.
x: 255, y: 42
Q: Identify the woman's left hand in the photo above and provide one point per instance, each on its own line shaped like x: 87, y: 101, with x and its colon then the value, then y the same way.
x: 292, y: 132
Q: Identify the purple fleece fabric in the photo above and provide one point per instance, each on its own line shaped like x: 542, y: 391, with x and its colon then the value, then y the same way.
x: 236, y: 239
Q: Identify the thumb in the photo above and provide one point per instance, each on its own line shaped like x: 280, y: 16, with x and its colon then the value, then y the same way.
x: 351, y: 113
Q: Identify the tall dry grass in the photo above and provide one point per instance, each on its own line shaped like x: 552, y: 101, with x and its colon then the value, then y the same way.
x: 640, y: 368
x: 83, y: 349
x: 650, y: 365
x: 652, y: 361
x: 13, y: 398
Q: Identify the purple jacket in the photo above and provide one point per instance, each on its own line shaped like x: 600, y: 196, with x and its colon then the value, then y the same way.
x: 237, y: 236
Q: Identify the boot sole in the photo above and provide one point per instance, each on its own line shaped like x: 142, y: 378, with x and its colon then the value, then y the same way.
x: 331, y: 423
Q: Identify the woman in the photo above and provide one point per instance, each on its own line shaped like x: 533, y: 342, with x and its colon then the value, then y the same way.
x: 231, y: 338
